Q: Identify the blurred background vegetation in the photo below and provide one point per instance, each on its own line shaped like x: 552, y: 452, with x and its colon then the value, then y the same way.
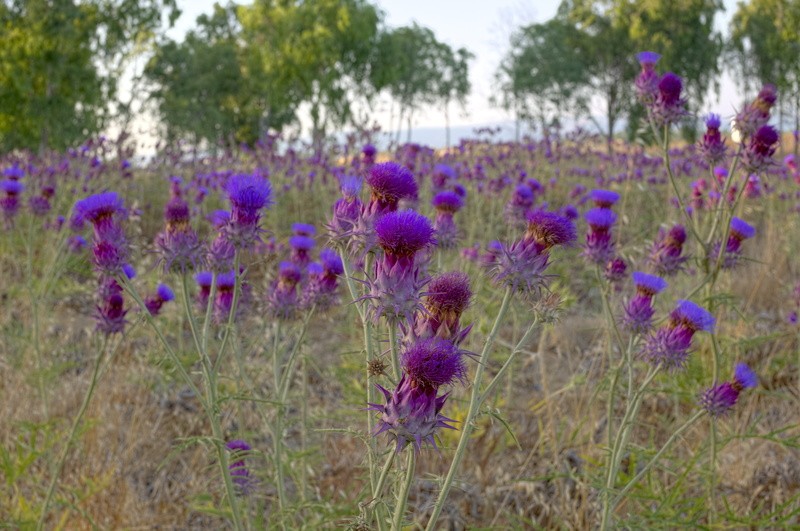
x: 248, y: 69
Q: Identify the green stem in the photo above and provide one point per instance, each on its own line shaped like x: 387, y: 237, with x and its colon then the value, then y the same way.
x: 209, y: 306
x: 214, y: 413
x: 712, y: 472
x: 621, y: 441
x: 232, y: 315
x: 395, y: 351
x: 170, y: 352
x: 405, y: 488
x: 517, y: 349
x: 655, y: 458
x: 37, y: 349
x: 471, y: 413
x: 387, y: 466
x: 73, y: 430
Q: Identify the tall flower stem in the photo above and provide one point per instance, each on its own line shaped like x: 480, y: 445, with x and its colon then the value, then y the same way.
x: 366, y: 327
x: 37, y: 349
x: 209, y: 306
x: 405, y: 488
x: 213, y: 409
x: 395, y: 351
x: 59, y: 465
x: 621, y: 441
x: 632, y: 483
x: 517, y: 349
x: 237, y: 292
x: 387, y: 466
x: 472, y: 412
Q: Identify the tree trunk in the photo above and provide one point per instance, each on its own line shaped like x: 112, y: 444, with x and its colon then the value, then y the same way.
x: 408, y: 138
x: 796, y: 119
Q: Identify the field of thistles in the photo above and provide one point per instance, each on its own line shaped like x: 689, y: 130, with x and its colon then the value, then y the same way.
x: 554, y: 333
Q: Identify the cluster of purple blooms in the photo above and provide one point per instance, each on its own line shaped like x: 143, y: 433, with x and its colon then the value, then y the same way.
x: 430, y: 360
x: 719, y: 399
x: 661, y: 95
x: 600, y: 247
x: 397, y: 244
x: 105, y: 212
x: 740, y: 231
x: 666, y: 256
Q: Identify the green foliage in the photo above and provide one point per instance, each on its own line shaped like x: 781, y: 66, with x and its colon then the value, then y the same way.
x: 544, y: 74
x: 61, y: 63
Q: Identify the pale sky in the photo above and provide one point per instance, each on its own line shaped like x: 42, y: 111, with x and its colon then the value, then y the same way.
x: 483, y: 27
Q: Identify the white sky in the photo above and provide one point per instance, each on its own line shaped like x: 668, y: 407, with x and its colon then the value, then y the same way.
x: 483, y: 27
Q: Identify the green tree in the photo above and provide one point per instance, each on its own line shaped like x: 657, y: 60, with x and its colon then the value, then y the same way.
x: 543, y: 76
x: 416, y: 69
x: 764, y: 47
x: 318, y: 50
x: 62, y: 61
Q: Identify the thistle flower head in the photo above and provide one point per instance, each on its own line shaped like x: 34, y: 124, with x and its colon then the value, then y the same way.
x: 289, y: 275
x: 351, y: 187
x: 600, y: 219
x: 431, y: 363
x: 549, y: 229
x: 648, y: 285
x: 741, y: 230
x: 248, y: 194
x: 669, y: 345
x: 447, y: 202
x: 648, y: 59
x: 446, y: 297
x: 176, y: 214
x: 240, y: 475
x: 391, y: 182
x: 303, y: 229
x: 411, y: 414
x: 604, y: 198
x: 758, y: 154
x: 670, y: 88
x: 301, y: 243
x: 99, y: 208
x: 403, y: 234
x: 719, y: 399
x: 692, y: 316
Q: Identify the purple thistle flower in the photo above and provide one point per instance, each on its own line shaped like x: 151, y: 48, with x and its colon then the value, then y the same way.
x: 604, y: 198
x: 154, y: 303
x: 394, y: 290
x: 390, y: 182
x: 221, y: 254
x: 10, y: 203
x: 248, y: 195
x: 669, y: 345
x: 402, y: 235
x: 347, y: 223
x: 599, y: 247
x: 446, y: 204
x: 647, y: 80
x: 240, y: 475
x: 76, y: 243
x: 433, y: 362
x: 219, y: 218
x: 441, y: 176
x: 639, y: 310
x: 719, y: 399
x: 668, y: 107
x: 757, y: 156
x: 226, y: 284
x: 110, y: 314
x: 101, y: 210
x: 204, y: 280
x: 520, y: 203
x: 282, y: 301
x: 301, y: 249
x: 548, y: 229
x: 178, y: 245
x: 712, y: 146
x: 447, y: 296
x: 411, y: 414
x: 129, y: 271
x: 665, y: 255
x: 304, y: 229
x: 756, y: 114
x: 740, y: 230
x: 321, y: 290
x: 615, y: 270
